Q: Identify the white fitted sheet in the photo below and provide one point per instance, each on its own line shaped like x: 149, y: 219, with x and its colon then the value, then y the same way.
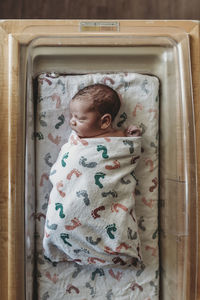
x: 140, y: 106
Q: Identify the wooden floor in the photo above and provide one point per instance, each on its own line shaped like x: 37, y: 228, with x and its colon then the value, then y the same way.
x: 103, y: 9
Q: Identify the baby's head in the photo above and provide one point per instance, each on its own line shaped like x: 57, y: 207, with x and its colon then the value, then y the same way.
x: 93, y: 110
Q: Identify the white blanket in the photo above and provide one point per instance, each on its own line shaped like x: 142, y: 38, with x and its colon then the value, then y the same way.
x: 91, y: 213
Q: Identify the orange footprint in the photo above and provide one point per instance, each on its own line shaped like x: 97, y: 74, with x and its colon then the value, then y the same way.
x: 74, y: 171
x: 58, y: 186
x: 76, y: 223
x: 113, y: 167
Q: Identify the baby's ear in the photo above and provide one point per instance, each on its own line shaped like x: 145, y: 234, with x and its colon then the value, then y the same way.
x: 106, y: 121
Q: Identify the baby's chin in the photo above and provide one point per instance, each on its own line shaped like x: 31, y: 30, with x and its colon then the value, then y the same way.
x: 80, y: 135
x: 89, y: 135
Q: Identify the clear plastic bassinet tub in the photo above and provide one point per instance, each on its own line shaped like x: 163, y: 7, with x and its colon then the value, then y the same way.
x: 105, y: 47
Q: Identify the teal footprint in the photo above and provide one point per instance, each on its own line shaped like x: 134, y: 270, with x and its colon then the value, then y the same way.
x: 65, y: 156
x: 59, y: 206
x: 62, y: 120
x: 65, y: 237
x: 109, y: 230
x: 104, y: 149
x: 97, y: 177
x: 97, y: 271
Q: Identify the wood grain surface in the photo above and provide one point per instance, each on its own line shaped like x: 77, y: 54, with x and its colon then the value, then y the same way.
x: 104, y: 9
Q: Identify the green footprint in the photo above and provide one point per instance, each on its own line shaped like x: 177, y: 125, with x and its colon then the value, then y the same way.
x: 109, y: 230
x: 59, y: 206
x: 97, y: 177
x: 65, y: 236
x: 104, y: 149
x: 65, y: 156
x: 62, y: 120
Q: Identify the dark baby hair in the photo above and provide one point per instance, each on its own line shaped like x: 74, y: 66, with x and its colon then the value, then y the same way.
x: 104, y: 99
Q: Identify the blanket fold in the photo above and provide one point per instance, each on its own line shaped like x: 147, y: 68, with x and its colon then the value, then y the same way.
x: 91, y: 216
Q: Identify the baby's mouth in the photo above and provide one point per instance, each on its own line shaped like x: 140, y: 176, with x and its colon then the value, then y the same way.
x: 72, y: 127
x: 74, y: 130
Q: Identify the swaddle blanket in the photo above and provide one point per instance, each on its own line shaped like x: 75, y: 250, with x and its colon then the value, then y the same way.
x: 91, y: 216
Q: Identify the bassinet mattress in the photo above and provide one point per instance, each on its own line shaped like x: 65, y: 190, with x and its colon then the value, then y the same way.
x: 139, y: 96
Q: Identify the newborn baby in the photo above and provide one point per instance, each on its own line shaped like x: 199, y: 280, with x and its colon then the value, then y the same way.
x: 93, y: 109
x: 91, y: 217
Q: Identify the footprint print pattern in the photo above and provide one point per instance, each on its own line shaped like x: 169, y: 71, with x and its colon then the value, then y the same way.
x: 52, y: 226
x: 38, y: 135
x: 60, y: 82
x: 110, y: 229
x: 118, y: 260
x: 62, y: 120
x: 64, y: 158
x: 99, y: 272
x: 97, y: 178
x: 75, y: 223
x: 81, y: 250
x: 123, y: 118
x: 134, y: 176
x: 125, y: 181
x: 92, y: 290
x: 130, y: 144
x: 59, y: 206
x: 131, y: 235
x: 104, y: 203
x: 83, y: 161
x: 47, y: 159
x: 78, y: 269
x: 71, y: 288
x: 104, y: 151
x: 112, y: 193
x: 95, y: 212
x: 90, y: 240
x: 65, y: 237
x: 42, y: 122
x: 84, y: 194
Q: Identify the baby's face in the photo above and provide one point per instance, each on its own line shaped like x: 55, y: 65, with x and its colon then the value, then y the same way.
x: 86, y: 123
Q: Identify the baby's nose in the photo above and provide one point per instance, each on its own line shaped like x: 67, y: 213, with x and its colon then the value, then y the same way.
x: 72, y: 122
